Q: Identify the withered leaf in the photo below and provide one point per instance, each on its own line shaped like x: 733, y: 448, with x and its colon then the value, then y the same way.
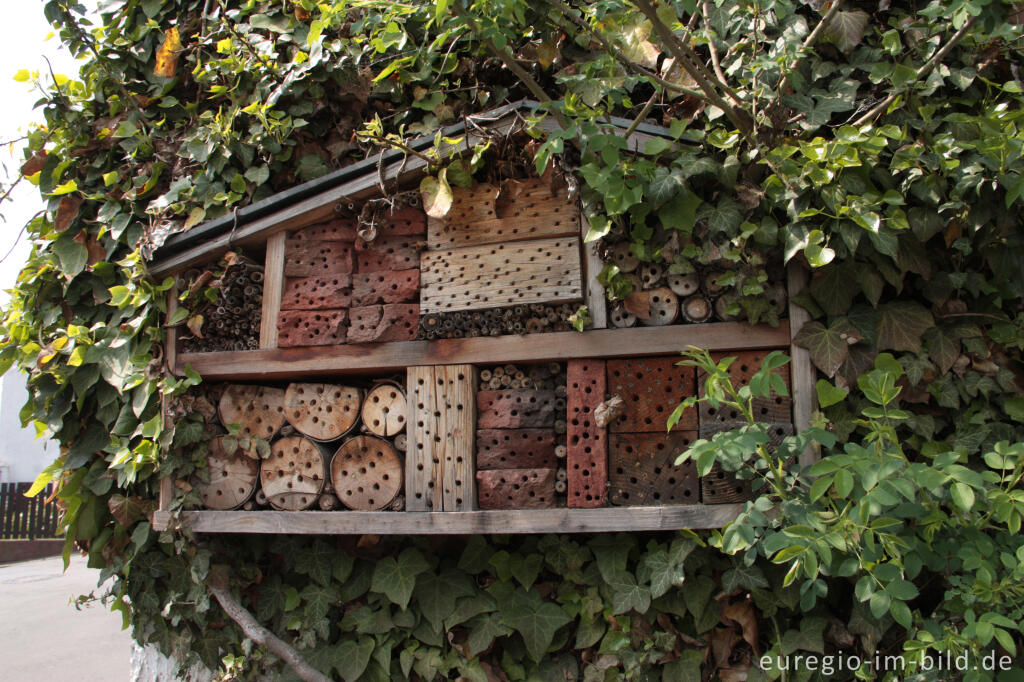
x: 167, y: 54
x: 67, y: 212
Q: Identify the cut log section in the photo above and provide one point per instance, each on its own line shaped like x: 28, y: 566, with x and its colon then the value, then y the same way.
x: 696, y: 308
x: 621, y: 318
x: 385, y: 410
x: 623, y: 257
x: 684, y: 285
x: 655, y: 308
x: 323, y: 412
x: 293, y: 476
x: 232, y: 477
x: 259, y: 410
x: 366, y: 473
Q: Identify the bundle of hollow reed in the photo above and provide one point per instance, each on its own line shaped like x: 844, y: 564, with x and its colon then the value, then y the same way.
x: 233, y: 322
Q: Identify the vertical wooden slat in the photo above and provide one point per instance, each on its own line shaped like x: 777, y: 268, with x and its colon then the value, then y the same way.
x: 273, y: 289
x: 4, y: 516
x: 803, y: 372
x: 171, y: 340
x: 164, y: 500
x: 592, y: 290
x: 458, y: 421
x: 422, y: 467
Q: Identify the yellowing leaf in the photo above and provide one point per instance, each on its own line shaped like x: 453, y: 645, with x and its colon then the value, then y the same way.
x: 224, y: 46
x: 167, y: 54
x: 22, y: 75
x: 437, y: 195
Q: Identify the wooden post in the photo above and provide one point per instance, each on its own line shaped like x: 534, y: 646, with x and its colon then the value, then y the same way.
x: 803, y: 372
x: 171, y: 333
x: 273, y: 289
x: 593, y: 291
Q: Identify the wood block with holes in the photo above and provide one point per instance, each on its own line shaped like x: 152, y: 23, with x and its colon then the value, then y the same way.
x: 297, y: 328
x: 515, y: 409
x: 775, y: 409
x: 259, y: 410
x: 651, y: 388
x: 516, y: 488
x: 386, y: 286
x: 323, y: 412
x: 337, y: 230
x: 309, y: 259
x: 232, y: 477
x: 480, y: 277
x: 330, y: 292
x: 392, y: 322
x: 293, y: 476
x: 385, y: 410
x: 519, y: 210
x: 388, y: 253
x: 515, y: 449
x: 642, y: 470
x: 587, y: 444
x: 366, y: 473
x: 442, y: 423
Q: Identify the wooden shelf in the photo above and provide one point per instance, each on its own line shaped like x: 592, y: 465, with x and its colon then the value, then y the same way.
x: 501, y: 522
x: 291, y: 363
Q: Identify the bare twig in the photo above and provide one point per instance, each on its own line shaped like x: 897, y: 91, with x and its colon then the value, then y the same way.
x: 921, y: 73
x: 397, y: 144
x: 642, y: 115
x: 706, y: 11
x: 809, y: 42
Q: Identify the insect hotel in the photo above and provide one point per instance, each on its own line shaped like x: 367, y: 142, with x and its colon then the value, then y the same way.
x: 406, y: 374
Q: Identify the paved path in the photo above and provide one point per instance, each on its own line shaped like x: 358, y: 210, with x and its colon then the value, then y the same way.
x: 44, y: 639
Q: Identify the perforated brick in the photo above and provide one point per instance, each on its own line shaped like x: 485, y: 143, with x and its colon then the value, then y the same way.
x: 776, y: 409
x: 587, y: 445
x: 338, y: 230
x: 650, y: 389
x: 408, y: 221
x: 317, y: 293
x: 515, y: 449
x: 642, y: 469
x: 719, y: 487
x: 516, y: 489
x: 308, y: 259
x: 388, y: 253
x: 515, y: 409
x: 311, y: 328
x: 391, y: 322
x: 386, y: 286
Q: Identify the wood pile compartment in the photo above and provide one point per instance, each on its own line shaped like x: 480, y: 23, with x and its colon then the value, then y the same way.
x: 232, y: 321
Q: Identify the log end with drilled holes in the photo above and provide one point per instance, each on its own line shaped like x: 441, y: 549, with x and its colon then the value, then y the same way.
x: 515, y: 449
x: 650, y: 389
x: 662, y: 307
x: 324, y: 412
x: 259, y: 410
x: 293, y: 476
x: 232, y: 477
x: 516, y: 489
x: 298, y: 328
x: 385, y: 410
x: 515, y: 409
x: 587, y: 443
x: 642, y: 469
x: 696, y: 308
x: 366, y: 473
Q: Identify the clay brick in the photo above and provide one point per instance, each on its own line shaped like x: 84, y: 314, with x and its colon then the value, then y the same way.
x: 388, y: 253
x: 651, y: 388
x: 307, y: 259
x: 516, y: 489
x: 394, y: 286
x: 311, y: 328
x: 642, y: 469
x: 317, y: 293
x: 391, y: 322
x: 776, y: 409
x: 409, y: 221
x: 338, y: 230
x: 587, y: 446
x: 515, y: 449
x: 515, y: 409
x: 721, y: 487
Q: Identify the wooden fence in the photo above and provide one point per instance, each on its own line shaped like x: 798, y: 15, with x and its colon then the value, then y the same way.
x: 26, y: 518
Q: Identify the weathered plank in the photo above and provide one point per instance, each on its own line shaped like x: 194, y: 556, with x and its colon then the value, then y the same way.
x: 516, y: 488
x: 642, y: 469
x: 479, y: 277
x: 606, y: 520
x: 650, y: 389
x: 273, y: 290
x: 804, y: 373
x: 515, y: 449
x: 587, y: 444
x: 595, y: 298
x: 377, y: 358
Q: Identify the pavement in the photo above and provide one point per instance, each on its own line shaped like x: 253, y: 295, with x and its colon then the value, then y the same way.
x: 44, y: 638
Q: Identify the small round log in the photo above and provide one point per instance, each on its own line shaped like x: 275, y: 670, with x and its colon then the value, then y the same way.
x: 684, y: 285
x: 232, y: 477
x: 722, y: 305
x: 776, y: 295
x: 708, y: 282
x: 621, y: 318
x: 561, y: 475
x: 696, y: 308
x: 651, y: 274
x: 323, y: 412
x: 401, y: 442
x: 259, y: 410
x: 384, y: 410
x: 561, y: 451
x: 561, y: 487
x: 623, y: 258
x: 367, y: 473
x: 293, y: 476
x: 261, y: 498
x: 663, y: 307
x: 328, y: 502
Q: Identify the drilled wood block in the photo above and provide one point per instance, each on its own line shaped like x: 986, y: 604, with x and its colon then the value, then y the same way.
x: 642, y: 470
x: 366, y: 473
x: 293, y: 476
x: 378, y: 323
x: 232, y: 477
x: 485, y: 214
x: 516, y: 488
x: 775, y: 409
x: 331, y: 292
x: 479, y: 277
x: 324, y: 412
x: 515, y: 449
x: 388, y: 253
x: 259, y: 410
x: 439, y: 467
x: 385, y: 410
x: 515, y: 409
x: 587, y: 444
x: 385, y: 286
x: 337, y: 230
x: 311, y: 328
x: 650, y: 389
x: 308, y: 259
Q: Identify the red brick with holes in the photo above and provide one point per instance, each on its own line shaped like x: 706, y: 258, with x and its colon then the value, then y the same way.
x: 651, y: 388
x: 587, y: 445
x: 516, y: 489
x: 515, y: 449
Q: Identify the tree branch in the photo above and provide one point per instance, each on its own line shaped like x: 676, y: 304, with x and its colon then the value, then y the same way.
x: 261, y: 635
x: 921, y: 73
x: 809, y: 42
x: 711, y: 43
x: 642, y: 115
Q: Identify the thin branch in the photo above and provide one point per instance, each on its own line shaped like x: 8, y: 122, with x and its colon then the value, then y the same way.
x: 706, y: 11
x: 399, y: 145
x: 921, y: 73
x: 809, y: 42
x: 261, y: 635
x: 642, y: 115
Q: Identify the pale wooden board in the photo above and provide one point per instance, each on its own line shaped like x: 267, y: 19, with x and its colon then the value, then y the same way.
x: 422, y: 468
x: 525, y: 209
x: 273, y: 289
x: 595, y: 298
x: 480, y: 277
x: 510, y: 521
x: 803, y: 373
x: 459, y: 432
x: 171, y: 339
x: 375, y: 358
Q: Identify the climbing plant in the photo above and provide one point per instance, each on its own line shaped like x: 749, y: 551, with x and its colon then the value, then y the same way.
x: 877, y: 143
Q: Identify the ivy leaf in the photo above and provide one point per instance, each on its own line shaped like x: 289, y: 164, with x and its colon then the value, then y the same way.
x: 272, y: 599
x: 535, y: 619
x: 316, y: 561
x: 835, y: 288
x: 476, y: 556
x: 469, y: 607
x: 680, y: 213
x: 901, y: 325
x: 319, y: 600
x: 350, y: 658
x: 73, y: 256
x: 658, y: 569
x: 871, y: 284
x: 611, y: 552
x: 726, y: 216
x: 525, y: 569
x: 665, y: 185
x: 743, y: 577
x: 627, y: 595
x: 846, y: 29
x: 943, y: 348
x: 483, y: 629
x: 829, y: 346
x: 436, y: 593
x: 396, y: 578
x: 828, y: 394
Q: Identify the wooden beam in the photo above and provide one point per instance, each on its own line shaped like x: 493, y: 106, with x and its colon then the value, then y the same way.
x: 171, y: 333
x: 503, y: 521
x: 370, y: 358
x: 273, y: 289
x: 803, y: 375
x: 593, y: 292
